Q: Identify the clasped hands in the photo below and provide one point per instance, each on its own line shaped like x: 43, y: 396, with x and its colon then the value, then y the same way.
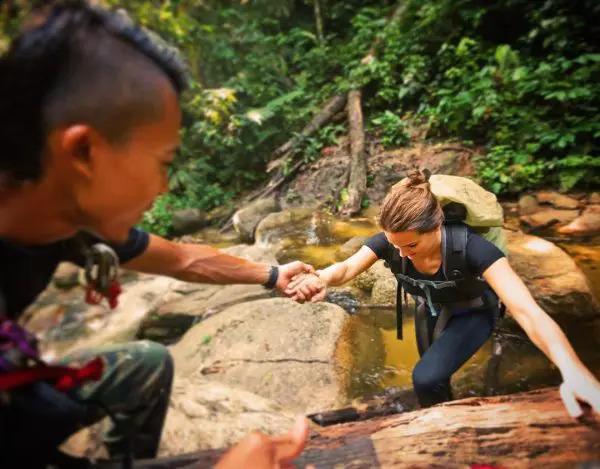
x: 306, y: 286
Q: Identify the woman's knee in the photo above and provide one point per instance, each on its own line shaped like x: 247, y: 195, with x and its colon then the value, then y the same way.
x: 426, y: 377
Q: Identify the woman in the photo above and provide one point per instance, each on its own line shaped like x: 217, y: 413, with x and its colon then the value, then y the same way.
x: 457, y: 320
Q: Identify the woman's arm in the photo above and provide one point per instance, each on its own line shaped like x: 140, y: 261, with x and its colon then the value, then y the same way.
x: 579, y: 382
x: 312, y: 287
x: 342, y: 272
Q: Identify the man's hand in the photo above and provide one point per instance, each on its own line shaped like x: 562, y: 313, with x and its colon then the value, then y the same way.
x: 288, y: 271
x: 258, y: 451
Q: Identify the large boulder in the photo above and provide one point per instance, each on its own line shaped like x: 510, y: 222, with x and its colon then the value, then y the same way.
x: 207, y: 414
x: 195, y: 301
x: 552, y: 276
x: 276, y: 348
x: 247, y: 218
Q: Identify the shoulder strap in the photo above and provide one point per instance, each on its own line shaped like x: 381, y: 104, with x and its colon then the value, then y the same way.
x: 454, y: 251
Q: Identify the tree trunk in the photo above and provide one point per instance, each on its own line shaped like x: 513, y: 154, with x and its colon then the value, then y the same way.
x: 529, y: 429
x: 357, y: 181
x: 319, y: 21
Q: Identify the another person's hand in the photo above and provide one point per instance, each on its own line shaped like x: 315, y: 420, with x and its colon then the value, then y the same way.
x: 258, y: 451
x: 580, y: 386
x: 289, y: 271
x: 306, y: 287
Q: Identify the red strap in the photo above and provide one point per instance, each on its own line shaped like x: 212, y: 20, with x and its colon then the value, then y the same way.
x: 94, y: 297
x: 65, y: 377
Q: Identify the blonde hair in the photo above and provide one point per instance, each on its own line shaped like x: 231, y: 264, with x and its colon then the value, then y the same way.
x: 411, y: 206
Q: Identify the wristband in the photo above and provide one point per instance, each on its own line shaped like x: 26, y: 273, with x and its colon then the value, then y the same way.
x: 273, y: 276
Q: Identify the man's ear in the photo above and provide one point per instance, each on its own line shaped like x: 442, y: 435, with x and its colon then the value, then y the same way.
x: 76, y: 143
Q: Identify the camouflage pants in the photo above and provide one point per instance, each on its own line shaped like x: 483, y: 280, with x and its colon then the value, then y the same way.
x: 134, y: 390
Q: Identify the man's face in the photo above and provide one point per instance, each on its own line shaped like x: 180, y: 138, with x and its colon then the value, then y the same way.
x: 124, y: 179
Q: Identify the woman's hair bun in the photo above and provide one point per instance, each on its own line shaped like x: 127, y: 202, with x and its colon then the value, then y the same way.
x: 417, y: 178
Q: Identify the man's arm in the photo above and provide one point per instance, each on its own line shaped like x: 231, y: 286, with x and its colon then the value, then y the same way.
x: 205, y: 264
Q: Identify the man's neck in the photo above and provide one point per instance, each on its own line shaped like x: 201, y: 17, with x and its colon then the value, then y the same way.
x: 34, y: 214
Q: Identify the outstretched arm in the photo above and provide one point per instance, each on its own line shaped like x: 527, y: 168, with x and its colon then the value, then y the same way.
x: 202, y: 263
x: 578, y: 381
x: 313, y: 288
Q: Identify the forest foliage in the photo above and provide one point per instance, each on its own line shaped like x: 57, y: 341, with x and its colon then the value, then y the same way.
x: 519, y: 79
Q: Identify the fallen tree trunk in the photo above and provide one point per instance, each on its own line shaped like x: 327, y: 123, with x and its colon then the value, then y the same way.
x: 332, y: 107
x: 357, y: 180
x: 529, y: 429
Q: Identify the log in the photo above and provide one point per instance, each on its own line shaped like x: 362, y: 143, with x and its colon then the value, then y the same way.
x: 530, y: 429
x: 357, y: 180
x: 396, y: 15
x: 332, y: 107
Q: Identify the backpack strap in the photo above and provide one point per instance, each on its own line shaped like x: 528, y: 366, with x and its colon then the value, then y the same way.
x: 454, y: 251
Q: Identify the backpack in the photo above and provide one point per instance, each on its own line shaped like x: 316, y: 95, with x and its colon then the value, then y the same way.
x: 466, y: 205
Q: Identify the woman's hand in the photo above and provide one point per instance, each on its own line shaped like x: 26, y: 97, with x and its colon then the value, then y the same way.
x: 581, y: 386
x: 305, y: 287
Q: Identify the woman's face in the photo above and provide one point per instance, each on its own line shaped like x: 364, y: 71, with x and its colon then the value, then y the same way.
x: 413, y: 244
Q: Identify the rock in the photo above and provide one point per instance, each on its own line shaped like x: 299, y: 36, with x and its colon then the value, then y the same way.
x: 350, y: 247
x: 275, y: 348
x: 188, y: 220
x: 195, y: 301
x: 553, y: 278
x: 206, y: 414
x: 557, y: 200
x: 66, y: 276
x: 368, y: 278
x: 247, y: 218
x: 548, y: 217
x: 588, y: 223
x: 528, y: 204
x: 282, y: 224
x: 384, y: 291
x: 594, y: 198
x: 65, y: 322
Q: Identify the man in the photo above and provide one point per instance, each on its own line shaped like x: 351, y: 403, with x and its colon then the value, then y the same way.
x: 89, y: 126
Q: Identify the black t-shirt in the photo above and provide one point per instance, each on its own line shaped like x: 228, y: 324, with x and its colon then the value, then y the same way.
x: 479, y: 256
x: 26, y: 271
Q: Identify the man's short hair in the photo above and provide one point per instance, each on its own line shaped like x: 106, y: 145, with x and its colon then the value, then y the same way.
x: 81, y: 64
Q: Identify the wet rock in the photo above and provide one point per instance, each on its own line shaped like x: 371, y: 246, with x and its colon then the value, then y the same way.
x: 188, y: 220
x: 548, y: 217
x: 207, y: 414
x: 553, y: 278
x: 276, y: 348
x: 587, y: 224
x: 343, y: 298
x: 557, y: 200
x: 247, y: 218
x: 350, y: 247
x: 280, y: 225
x: 528, y: 204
